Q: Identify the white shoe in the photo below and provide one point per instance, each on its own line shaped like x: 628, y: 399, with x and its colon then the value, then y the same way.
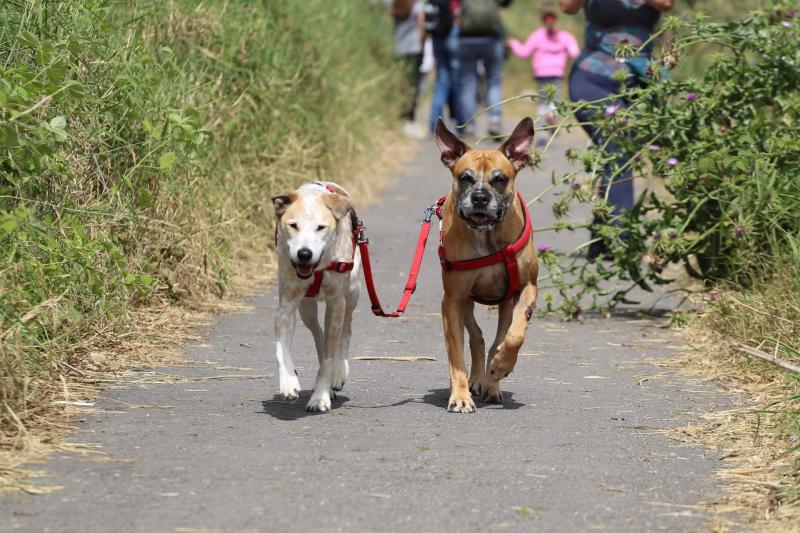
x: 412, y: 131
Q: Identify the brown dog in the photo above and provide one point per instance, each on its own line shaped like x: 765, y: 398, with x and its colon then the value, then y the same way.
x: 483, y: 215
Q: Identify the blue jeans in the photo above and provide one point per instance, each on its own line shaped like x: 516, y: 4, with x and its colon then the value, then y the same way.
x: 489, y: 50
x: 446, y: 88
x: 587, y: 87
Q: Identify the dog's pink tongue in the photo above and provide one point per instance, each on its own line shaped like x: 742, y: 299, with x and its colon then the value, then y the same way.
x: 304, y: 271
x: 480, y: 218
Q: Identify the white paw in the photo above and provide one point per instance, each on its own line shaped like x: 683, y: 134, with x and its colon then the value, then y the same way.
x: 290, y: 387
x: 320, y: 401
x: 341, y: 372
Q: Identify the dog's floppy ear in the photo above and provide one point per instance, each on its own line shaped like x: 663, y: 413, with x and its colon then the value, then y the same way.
x: 339, y: 205
x: 281, y: 201
x: 452, y: 147
x: 517, y: 147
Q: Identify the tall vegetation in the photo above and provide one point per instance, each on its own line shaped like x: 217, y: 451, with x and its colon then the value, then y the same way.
x: 139, y: 145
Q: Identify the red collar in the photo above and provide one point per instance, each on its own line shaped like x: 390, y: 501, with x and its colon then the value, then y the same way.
x: 508, y: 256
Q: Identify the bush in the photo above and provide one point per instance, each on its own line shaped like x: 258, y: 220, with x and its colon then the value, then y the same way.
x: 725, y: 150
x: 140, y: 144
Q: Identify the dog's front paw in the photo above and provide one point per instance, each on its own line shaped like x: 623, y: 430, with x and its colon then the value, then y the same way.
x: 341, y: 372
x: 461, y: 402
x: 501, y: 365
x: 490, y: 391
x: 290, y: 387
x: 320, y: 402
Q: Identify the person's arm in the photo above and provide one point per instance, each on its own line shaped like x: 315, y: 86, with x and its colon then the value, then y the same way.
x: 660, y: 5
x: 573, y: 50
x: 523, y: 51
x: 570, y: 7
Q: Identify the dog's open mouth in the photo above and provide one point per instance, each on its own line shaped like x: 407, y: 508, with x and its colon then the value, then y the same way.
x: 304, y: 271
x: 481, y: 220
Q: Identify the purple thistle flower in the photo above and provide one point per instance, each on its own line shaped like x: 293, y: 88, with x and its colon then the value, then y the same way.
x: 574, y: 185
x: 711, y: 297
x: 791, y: 14
x: 672, y: 162
x: 611, y: 111
x: 673, y: 235
x: 739, y: 231
x: 691, y: 97
x: 654, y: 148
x: 568, y: 153
x: 656, y: 235
x: 543, y: 248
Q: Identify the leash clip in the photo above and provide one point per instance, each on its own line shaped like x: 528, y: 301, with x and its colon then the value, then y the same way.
x: 361, y: 235
x: 428, y: 214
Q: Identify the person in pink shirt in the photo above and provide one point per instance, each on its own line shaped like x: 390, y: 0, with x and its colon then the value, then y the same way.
x: 549, y: 50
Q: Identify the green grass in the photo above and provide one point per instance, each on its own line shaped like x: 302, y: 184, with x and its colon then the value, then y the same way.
x: 139, y: 145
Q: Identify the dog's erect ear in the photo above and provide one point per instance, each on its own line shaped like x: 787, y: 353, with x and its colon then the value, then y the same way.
x: 451, y: 146
x: 339, y: 205
x: 281, y: 201
x: 517, y: 147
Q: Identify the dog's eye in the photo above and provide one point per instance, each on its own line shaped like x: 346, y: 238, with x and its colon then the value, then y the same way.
x: 321, y: 227
x: 499, y: 180
x: 293, y: 225
x: 465, y: 178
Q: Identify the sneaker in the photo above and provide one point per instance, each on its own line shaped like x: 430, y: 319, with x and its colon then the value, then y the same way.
x: 412, y: 131
x: 495, y: 128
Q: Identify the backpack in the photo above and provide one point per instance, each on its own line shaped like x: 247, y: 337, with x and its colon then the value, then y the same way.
x: 438, y: 18
x: 480, y: 18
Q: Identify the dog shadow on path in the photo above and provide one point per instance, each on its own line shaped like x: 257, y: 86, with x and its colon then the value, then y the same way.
x: 439, y: 398
x: 279, y: 408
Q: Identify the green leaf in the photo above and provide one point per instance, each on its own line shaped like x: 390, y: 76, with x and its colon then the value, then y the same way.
x: 166, y: 161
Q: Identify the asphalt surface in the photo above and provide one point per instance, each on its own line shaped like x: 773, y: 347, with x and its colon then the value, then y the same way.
x: 574, y: 447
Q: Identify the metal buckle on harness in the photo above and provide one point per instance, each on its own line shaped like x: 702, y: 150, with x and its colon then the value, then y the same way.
x: 428, y: 214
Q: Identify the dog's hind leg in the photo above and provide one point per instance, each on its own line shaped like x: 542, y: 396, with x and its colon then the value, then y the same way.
x: 284, y: 331
x: 505, y: 359
x: 308, y: 313
x: 477, y: 348
x: 341, y: 368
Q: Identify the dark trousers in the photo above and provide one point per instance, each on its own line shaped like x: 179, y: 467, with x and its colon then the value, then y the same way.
x: 410, y: 64
x: 584, y: 86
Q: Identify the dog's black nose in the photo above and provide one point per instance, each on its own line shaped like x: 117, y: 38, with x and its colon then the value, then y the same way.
x: 304, y: 255
x: 480, y: 198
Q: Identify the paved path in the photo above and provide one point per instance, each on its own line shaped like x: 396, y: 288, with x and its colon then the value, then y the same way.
x: 574, y: 447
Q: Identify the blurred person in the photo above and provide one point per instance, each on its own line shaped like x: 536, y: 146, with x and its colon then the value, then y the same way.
x: 549, y: 49
x: 593, y: 77
x: 443, y: 36
x: 409, y: 37
x: 481, y: 36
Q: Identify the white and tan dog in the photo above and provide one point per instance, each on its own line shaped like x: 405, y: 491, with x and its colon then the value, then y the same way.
x: 314, y: 230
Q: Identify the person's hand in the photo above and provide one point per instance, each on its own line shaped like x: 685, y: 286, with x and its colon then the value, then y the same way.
x: 660, y: 5
x: 570, y: 7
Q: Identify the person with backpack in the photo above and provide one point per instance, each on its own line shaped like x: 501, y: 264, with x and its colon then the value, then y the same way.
x: 549, y: 49
x: 595, y: 75
x: 481, y: 39
x: 443, y: 33
x: 409, y: 38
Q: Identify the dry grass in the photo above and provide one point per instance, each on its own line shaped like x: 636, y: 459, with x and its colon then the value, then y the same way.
x: 156, y: 339
x: 758, y: 478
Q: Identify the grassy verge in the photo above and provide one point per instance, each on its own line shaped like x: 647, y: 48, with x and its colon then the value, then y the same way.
x: 139, y: 145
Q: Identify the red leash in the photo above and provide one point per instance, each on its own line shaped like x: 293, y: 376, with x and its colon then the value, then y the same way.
x: 411, y: 284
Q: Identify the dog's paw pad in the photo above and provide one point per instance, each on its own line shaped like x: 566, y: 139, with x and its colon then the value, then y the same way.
x: 461, y: 406
x: 319, y: 404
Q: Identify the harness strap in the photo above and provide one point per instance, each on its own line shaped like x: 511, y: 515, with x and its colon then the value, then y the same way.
x: 507, y: 256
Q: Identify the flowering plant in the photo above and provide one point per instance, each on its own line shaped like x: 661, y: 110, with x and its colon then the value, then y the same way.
x: 720, y: 153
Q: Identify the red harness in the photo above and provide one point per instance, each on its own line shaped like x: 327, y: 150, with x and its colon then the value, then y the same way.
x: 507, y: 256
